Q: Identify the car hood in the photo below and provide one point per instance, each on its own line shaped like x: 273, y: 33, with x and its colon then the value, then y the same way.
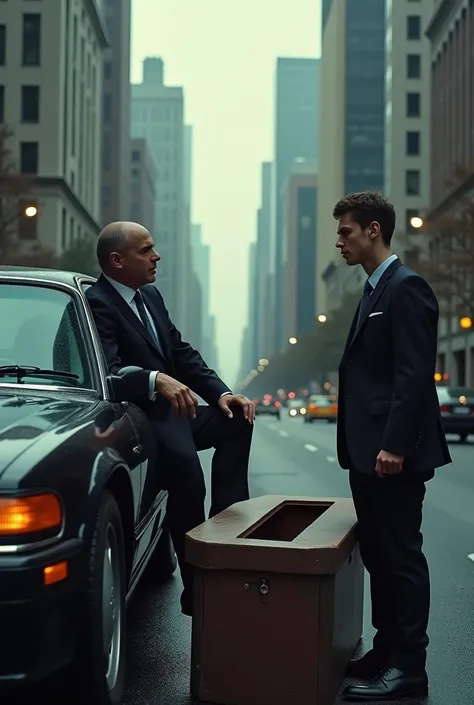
x: 25, y: 419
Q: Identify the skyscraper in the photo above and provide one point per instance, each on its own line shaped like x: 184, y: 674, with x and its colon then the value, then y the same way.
x: 115, y: 195
x: 157, y: 116
x: 352, y: 136
x: 261, y: 286
x: 296, y: 136
x: 50, y: 96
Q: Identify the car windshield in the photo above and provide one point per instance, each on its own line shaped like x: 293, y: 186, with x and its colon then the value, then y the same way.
x: 446, y: 394
x: 40, y: 328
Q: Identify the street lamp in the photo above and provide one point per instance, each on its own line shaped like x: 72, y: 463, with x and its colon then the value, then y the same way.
x: 416, y: 222
x: 465, y: 322
x: 263, y: 362
x: 292, y: 341
x: 322, y: 318
x: 261, y: 368
x: 31, y: 211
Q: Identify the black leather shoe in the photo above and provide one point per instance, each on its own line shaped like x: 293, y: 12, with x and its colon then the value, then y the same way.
x: 392, y: 684
x: 368, y: 666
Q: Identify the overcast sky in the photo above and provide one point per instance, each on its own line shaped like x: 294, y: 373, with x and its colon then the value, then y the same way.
x: 224, y: 55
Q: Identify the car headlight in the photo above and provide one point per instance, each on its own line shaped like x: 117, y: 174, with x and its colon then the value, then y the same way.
x: 31, y: 517
x: 303, y: 410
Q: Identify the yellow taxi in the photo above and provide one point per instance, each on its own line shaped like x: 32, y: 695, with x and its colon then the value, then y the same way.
x: 321, y: 406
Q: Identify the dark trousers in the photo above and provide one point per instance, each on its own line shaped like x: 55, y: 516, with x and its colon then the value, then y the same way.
x: 389, y: 513
x: 184, y: 478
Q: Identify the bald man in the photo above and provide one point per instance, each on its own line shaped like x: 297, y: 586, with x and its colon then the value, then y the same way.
x: 135, y: 329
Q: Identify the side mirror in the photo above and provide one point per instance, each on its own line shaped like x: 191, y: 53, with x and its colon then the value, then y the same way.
x: 123, y: 385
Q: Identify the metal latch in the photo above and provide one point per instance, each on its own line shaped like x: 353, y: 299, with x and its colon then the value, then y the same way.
x: 263, y: 588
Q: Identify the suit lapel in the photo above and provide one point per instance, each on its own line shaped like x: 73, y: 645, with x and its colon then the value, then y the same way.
x: 128, y: 313
x: 369, y: 307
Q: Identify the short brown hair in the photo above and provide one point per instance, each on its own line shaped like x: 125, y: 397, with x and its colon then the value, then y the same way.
x: 365, y: 207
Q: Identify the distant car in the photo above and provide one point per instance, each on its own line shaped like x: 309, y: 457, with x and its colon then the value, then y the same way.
x: 82, y: 504
x: 456, y: 405
x: 322, y: 407
x: 267, y: 407
x: 296, y: 407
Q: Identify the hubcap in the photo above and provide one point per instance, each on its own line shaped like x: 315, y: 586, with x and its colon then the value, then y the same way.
x: 112, y: 606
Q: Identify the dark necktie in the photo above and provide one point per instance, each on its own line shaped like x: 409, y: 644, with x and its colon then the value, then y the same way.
x: 139, y: 303
x: 368, y: 289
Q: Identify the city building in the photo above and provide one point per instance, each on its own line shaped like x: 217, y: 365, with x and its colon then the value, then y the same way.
x: 201, y: 266
x: 248, y: 358
x: 408, y: 120
x: 300, y: 235
x: 450, y: 31
x: 115, y: 194
x: 143, y: 184
x: 296, y: 136
x: 263, y: 285
x: 352, y: 136
x: 51, y: 98
x: 189, y: 311
x: 157, y: 116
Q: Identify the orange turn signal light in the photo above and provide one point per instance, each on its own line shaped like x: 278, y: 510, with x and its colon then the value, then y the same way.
x: 30, y: 514
x: 55, y: 573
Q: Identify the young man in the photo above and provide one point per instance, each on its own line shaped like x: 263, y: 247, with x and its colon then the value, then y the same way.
x: 390, y: 438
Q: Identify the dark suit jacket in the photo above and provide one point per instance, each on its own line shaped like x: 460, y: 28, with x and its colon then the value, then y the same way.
x: 125, y: 341
x: 387, y: 393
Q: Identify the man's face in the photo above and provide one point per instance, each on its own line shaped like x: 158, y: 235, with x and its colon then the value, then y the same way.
x: 137, y: 262
x: 355, y: 243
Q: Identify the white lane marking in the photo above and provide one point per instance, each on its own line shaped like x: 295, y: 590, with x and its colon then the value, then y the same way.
x: 283, y: 433
x: 471, y: 557
x: 311, y: 448
x: 330, y: 459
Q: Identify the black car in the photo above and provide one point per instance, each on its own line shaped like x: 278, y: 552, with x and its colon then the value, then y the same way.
x: 82, y: 506
x: 267, y: 407
x: 456, y: 405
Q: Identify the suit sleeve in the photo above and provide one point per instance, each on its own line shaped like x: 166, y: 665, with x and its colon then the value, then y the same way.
x: 414, y: 322
x: 108, y: 330
x: 190, y: 366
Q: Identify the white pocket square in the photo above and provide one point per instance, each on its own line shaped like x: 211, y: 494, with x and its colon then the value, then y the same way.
x: 375, y: 313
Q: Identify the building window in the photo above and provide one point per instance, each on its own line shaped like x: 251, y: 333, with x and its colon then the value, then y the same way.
x: 2, y: 103
x: 414, y: 27
x: 409, y: 215
x: 3, y: 44
x: 31, y: 54
x: 27, y: 224
x: 413, y: 144
x: 414, y: 66
x: 29, y: 157
x: 135, y: 155
x: 412, y: 182
x: 107, y: 115
x: 30, y: 100
x: 413, y: 105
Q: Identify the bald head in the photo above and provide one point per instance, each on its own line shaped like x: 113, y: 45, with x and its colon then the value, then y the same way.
x: 115, y: 237
x: 126, y: 252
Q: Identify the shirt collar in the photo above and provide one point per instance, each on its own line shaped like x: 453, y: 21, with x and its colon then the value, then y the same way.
x: 377, y: 275
x: 125, y: 291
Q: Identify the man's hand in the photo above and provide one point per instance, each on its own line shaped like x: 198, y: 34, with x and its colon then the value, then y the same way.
x: 388, y: 464
x: 229, y: 400
x: 181, y: 397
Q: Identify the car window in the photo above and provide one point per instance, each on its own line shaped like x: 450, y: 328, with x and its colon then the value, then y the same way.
x: 39, y: 327
x: 457, y: 392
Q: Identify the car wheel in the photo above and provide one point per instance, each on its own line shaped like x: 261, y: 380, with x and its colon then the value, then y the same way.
x: 163, y: 561
x: 99, y: 667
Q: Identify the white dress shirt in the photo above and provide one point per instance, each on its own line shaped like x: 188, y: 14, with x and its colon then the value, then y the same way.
x: 128, y: 296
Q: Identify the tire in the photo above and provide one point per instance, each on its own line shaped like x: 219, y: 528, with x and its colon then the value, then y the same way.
x: 163, y: 561
x: 99, y: 670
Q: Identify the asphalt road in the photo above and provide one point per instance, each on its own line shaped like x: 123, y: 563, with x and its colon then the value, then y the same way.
x: 299, y: 459
x: 294, y: 458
